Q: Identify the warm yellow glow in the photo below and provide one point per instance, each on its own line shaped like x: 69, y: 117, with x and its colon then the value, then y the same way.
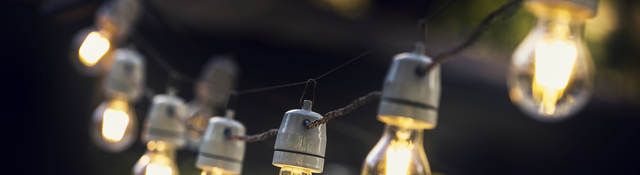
x: 157, y: 169
x: 114, y: 122
x: 288, y: 170
x: 405, y: 122
x: 554, y: 62
x: 215, y: 171
x: 599, y: 27
x: 93, y: 48
x: 399, y: 155
x: 158, y: 160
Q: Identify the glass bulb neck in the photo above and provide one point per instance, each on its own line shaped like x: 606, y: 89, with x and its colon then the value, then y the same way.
x: 286, y: 170
x: 560, y: 29
x: 161, y: 147
x: 393, y: 132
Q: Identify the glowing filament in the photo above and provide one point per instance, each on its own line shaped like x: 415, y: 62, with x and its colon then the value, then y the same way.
x: 114, y: 124
x: 156, y: 169
x: 215, y: 171
x: 399, y: 155
x: 287, y: 170
x: 93, y: 48
x: 554, y: 63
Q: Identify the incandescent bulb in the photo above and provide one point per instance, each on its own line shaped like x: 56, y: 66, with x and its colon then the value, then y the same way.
x: 216, y: 171
x: 93, y: 48
x: 90, y: 51
x: 158, y: 160
x: 398, y: 152
x: 289, y: 170
x: 114, y: 125
x: 551, y: 71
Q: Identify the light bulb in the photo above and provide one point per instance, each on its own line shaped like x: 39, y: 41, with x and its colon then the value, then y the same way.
x: 289, y: 170
x: 158, y: 160
x: 114, y: 125
x: 93, y: 48
x: 398, y: 152
x: 216, y: 171
x: 551, y: 71
x: 90, y: 49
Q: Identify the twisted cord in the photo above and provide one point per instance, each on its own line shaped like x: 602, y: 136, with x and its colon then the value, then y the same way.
x: 256, y: 137
x: 477, y: 32
x: 347, y: 109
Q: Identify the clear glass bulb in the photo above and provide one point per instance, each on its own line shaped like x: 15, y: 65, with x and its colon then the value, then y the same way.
x: 215, y: 171
x: 158, y: 160
x: 398, y: 152
x: 94, y: 46
x: 551, y: 73
x: 90, y: 51
x: 114, y: 125
x: 289, y: 170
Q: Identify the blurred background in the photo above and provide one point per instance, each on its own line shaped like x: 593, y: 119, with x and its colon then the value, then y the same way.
x: 479, y: 130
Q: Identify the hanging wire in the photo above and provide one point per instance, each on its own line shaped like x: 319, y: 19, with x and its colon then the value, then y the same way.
x: 424, y: 22
x: 500, y: 13
x: 315, y: 79
x: 314, y: 84
x: 155, y: 56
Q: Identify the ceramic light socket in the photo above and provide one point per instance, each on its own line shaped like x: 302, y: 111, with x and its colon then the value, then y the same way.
x: 217, y: 150
x: 411, y: 94
x: 298, y: 146
x: 163, y: 122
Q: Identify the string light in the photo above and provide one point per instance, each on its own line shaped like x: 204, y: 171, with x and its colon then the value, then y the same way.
x: 409, y: 103
x: 553, y: 57
x: 114, y: 123
x: 164, y: 133
x: 551, y: 74
x: 298, y: 149
x: 218, y: 154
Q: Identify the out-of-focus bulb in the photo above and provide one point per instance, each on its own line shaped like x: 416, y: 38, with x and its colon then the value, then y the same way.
x: 158, y: 160
x: 551, y: 71
x: 114, y: 125
x: 399, y: 152
x: 90, y: 51
x: 93, y: 48
x: 216, y: 171
x: 288, y: 170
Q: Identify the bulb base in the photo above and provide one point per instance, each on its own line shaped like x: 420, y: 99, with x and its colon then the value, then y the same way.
x: 125, y: 80
x: 118, y: 17
x: 411, y: 94
x: 217, y: 150
x: 578, y: 8
x: 298, y: 146
x: 163, y: 122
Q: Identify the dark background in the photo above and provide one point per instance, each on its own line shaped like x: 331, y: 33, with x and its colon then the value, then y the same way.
x: 274, y: 42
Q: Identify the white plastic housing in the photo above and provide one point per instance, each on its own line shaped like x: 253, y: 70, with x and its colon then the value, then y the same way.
x: 217, y: 150
x: 163, y: 122
x: 125, y: 80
